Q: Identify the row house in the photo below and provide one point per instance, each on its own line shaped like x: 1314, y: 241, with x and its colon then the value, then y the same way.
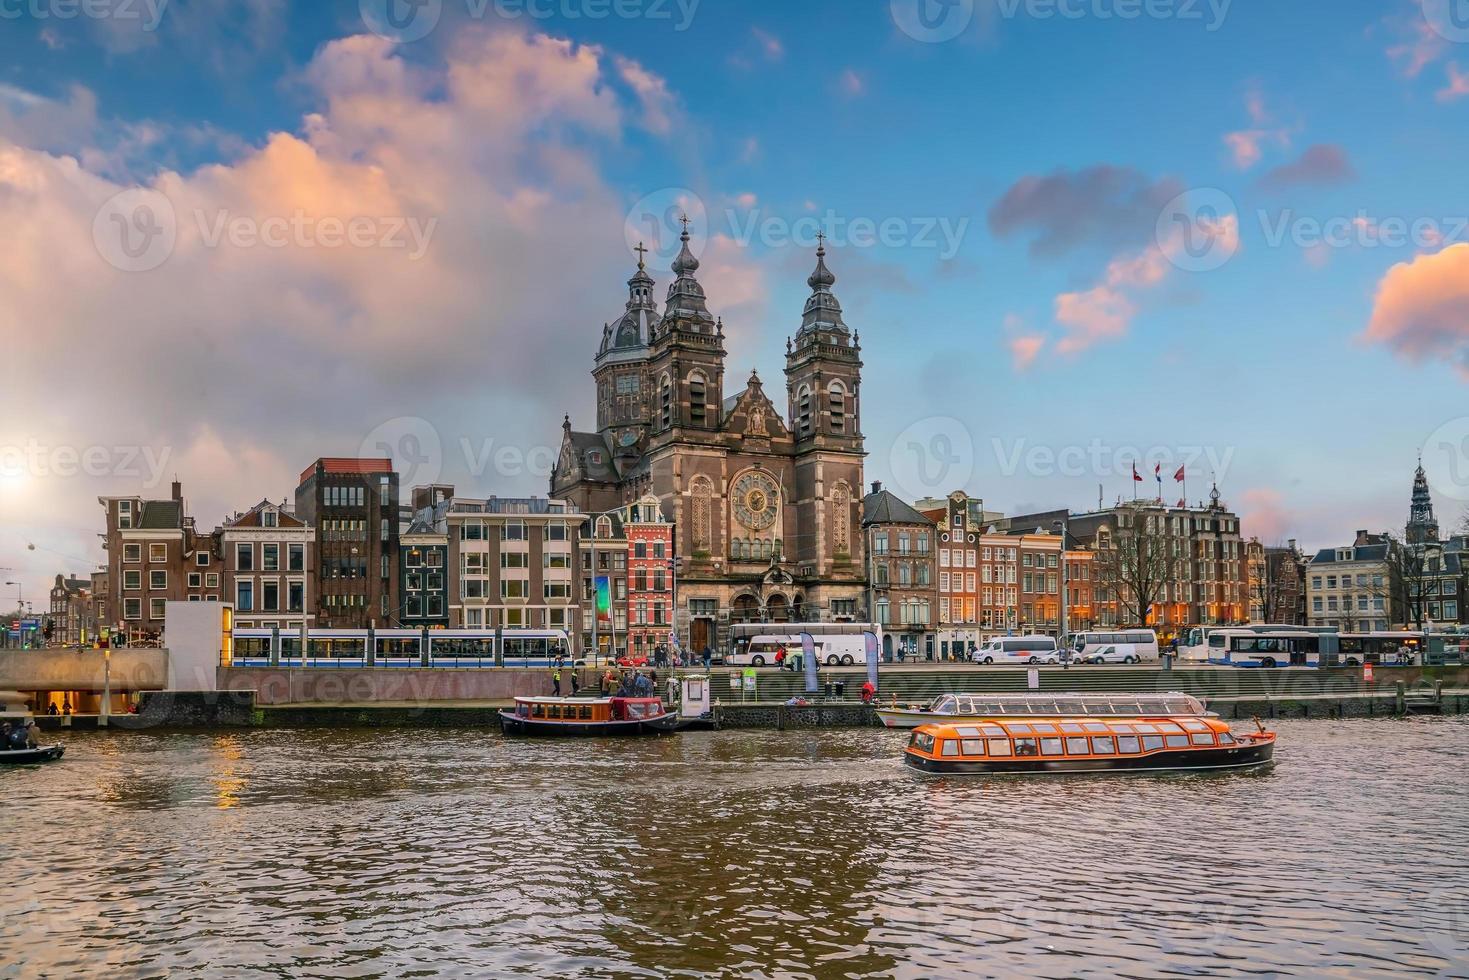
x: 72, y: 615
x: 152, y: 553
x: 1277, y: 583
x: 1039, y: 580
x: 267, y: 557
x: 977, y: 568
x: 1080, y: 610
x: 602, y: 565
x: 352, y: 507
x: 1351, y: 588
x: 424, y: 572
x: 651, y: 570
x: 902, y: 573
x: 515, y: 561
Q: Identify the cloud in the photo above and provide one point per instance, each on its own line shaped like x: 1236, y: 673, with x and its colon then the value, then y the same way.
x: 1024, y: 349
x: 1421, y: 310
x: 657, y: 101
x: 1246, y: 146
x: 1322, y: 165
x: 1262, y: 514
x: 770, y: 45
x: 1102, y: 206
x: 1421, y: 46
x: 300, y: 349
x: 851, y: 83
x: 1458, y: 85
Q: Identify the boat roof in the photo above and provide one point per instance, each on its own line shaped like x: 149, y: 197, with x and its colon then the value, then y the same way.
x: 1015, y: 728
x: 552, y: 699
x: 1072, y: 703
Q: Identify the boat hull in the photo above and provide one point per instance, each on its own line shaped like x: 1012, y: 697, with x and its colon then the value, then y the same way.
x: 513, y: 724
x: 1180, y: 760
x: 30, y: 757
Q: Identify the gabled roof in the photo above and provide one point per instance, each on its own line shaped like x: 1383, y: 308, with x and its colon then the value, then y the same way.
x: 161, y: 515
x: 1366, y: 552
x: 885, y: 507
x: 252, y: 517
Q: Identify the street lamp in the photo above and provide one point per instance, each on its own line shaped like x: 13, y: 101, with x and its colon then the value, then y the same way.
x: 1062, y: 525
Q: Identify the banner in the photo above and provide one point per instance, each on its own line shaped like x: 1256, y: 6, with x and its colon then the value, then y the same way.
x: 604, y: 599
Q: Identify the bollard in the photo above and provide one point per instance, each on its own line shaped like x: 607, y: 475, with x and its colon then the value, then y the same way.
x: 1401, y: 698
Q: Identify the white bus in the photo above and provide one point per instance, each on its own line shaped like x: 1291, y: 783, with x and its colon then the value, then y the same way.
x: 1194, y: 642
x: 1114, y: 647
x: 1276, y: 648
x: 837, y: 644
x: 1018, y: 650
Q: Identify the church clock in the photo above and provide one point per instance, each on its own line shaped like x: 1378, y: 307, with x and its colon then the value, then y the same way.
x: 756, y: 501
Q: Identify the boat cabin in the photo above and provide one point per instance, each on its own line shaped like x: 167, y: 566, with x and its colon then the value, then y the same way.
x: 1067, y: 705
x: 581, y: 710
x: 1069, y: 738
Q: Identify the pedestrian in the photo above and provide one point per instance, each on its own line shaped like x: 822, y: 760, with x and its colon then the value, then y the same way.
x: 652, y: 681
x: 17, y: 738
x: 51, y: 708
x: 708, y: 657
x: 556, y: 682
x: 575, y: 684
x: 66, y: 705
x: 672, y: 690
x: 869, y: 691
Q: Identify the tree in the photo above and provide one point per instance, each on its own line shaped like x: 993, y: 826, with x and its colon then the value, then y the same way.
x: 1135, y: 564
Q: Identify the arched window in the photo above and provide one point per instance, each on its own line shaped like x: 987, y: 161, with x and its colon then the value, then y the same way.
x: 604, y: 527
x: 803, y: 412
x: 665, y: 402
x: 698, y: 397
x: 837, y: 399
x: 841, y: 519
x: 702, y: 492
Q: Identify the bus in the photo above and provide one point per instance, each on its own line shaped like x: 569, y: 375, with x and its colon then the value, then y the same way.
x: 401, y: 648
x: 1274, y: 648
x: 1383, y: 647
x: 1135, y: 646
x: 837, y: 644
x: 1194, y: 645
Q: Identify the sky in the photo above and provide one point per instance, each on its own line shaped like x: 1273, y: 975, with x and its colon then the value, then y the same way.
x: 1074, y: 236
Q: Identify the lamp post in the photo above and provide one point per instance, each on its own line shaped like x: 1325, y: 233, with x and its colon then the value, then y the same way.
x: 1062, y: 524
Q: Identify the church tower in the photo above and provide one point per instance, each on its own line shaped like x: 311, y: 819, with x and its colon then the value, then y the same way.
x: 686, y: 363
x: 823, y: 382
x: 621, y: 370
x: 1422, y: 525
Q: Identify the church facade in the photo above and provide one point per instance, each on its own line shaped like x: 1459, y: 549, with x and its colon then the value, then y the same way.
x: 765, y: 502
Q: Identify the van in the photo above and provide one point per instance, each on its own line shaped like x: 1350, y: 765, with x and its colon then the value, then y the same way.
x: 1018, y: 650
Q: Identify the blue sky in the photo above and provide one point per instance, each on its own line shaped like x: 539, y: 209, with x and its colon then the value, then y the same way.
x: 1064, y: 319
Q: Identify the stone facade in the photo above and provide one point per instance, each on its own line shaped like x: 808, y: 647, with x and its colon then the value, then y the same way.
x: 765, y: 501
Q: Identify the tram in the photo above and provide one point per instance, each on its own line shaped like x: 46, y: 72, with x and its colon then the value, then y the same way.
x: 401, y: 648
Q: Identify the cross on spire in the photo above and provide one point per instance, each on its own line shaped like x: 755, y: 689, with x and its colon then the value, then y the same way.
x: 684, y: 220
x: 641, y: 252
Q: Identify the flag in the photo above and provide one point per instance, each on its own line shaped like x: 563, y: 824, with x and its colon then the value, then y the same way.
x: 1158, y: 472
x: 1135, y: 475
x: 1178, y: 477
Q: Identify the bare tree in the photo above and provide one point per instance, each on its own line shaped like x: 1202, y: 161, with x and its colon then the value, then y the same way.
x: 1135, y: 563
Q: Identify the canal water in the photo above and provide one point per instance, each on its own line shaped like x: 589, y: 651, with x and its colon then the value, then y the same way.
x: 460, y: 853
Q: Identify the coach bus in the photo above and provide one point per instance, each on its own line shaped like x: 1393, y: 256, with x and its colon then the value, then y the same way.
x: 837, y: 644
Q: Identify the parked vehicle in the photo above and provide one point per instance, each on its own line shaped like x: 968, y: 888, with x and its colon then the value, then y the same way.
x: 1121, y: 647
x: 1018, y: 650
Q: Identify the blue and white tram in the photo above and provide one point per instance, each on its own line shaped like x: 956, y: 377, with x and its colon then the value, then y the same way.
x: 401, y: 648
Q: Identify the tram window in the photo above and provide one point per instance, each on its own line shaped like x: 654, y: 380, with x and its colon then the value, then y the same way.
x: 1025, y: 746
x: 1078, y: 746
x: 1152, y: 743
x: 999, y: 746
x: 1071, y: 726
x: 951, y: 747
x: 1225, y: 738
x: 973, y: 746
x: 290, y: 648
x: 1050, y: 746
x: 1204, y: 738
x: 1178, y: 741
x: 1128, y: 744
x: 1104, y: 745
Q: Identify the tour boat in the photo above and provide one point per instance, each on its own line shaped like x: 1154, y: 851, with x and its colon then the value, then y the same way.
x: 27, y: 757
x: 1087, y: 745
x: 588, y: 716
x: 957, y: 708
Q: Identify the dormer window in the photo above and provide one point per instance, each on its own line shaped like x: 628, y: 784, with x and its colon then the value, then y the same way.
x: 270, y: 518
x: 594, y: 457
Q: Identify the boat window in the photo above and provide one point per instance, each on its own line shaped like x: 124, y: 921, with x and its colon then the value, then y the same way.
x: 553, y: 711
x: 1070, y: 726
x: 944, y: 705
x: 1152, y: 743
x: 992, y: 708
x: 1095, y: 726
x: 1126, y: 708
x: 586, y: 712
x: 1070, y: 708
x: 1181, y: 708
x: 538, y: 711
x: 993, y: 731
x: 1204, y: 738
x: 1025, y: 746
x: 1019, y: 729
x: 1045, y: 708
x: 1178, y: 741
x: 1104, y: 745
x: 923, y: 742
x: 1043, y: 728
x: 967, y: 731
x: 1194, y: 725
x: 973, y: 746
x: 1117, y: 727
x: 965, y: 707
x: 999, y: 746
x: 523, y: 710
x: 1128, y: 744
x: 951, y: 747
x: 1078, y: 746
x: 1145, y: 728
x: 1168, y: 728
x: 1050, y: 746
x: 1225, y: 738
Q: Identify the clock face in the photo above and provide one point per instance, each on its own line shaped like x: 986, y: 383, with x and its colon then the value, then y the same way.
x: 755, y: 501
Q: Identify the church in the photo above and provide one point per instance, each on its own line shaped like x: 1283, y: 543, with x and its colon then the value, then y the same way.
x: 765, y: 504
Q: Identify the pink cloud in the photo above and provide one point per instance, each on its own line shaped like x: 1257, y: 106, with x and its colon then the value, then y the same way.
x: 1317, y: 255
x: 1422, y: 308
x: 1025, y: 349
x: 770, y: 45
x: 1422, y: 47
x: 1263, y: 515
x: 851, y: 83
x: 652, y: 91
x: 1458, y: 86
x: 1100, y: 313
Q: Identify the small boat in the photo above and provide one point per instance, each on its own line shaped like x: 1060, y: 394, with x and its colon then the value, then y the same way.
x: 30, y: 757
x: 588, y: 717
x: 1087, y: 745
x: 956, y: 708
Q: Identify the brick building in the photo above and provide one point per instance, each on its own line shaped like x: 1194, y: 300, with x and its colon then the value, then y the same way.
x: 352, y: 507
x: 267, y: 556
x: 650, y: 576
x: 72, y: 613
x: 425, y: 576
x: 902, y: 569
x: 151, y: 550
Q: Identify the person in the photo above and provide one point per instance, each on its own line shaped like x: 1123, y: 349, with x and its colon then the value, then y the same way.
x: 556, y: 681
x: 17, y: 738
x: 672, y: 690
x: 32, y: 739
x: 66, y: 705
x: 652, y: 682
x: 708, y: 657
x: 780, y: 657
x: 609, y: 682
x: 5, y: 735
x: 575, y: 684
x: 51, y: 707
x: 869, y: 691
x: 1065, y: 658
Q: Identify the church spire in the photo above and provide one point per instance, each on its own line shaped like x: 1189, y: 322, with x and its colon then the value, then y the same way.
x: 687, y: 308
x: 634, y: 329
x: 1422, y: 525
x: 823, y: 312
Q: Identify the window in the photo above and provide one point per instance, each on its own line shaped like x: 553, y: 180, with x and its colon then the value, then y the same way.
x: 244, y: 557
x: 803, y: 412
x: 211, y: 580
x: 296, y: 596
x: 157, y: 580
x: 514, y: 559
x: 132, y: 552
x: 202, y: 559
x: 132, y: 609
x: 124, y: 513
x: 999, y: 746
x: 513, y: 531
x: 270, y: 519
x: 270, y: 557
x: 155, y: 609
x: 665, y: 402
x: 698, y: 398
x: 296, y: 557
x: 270, y: 596
x: 837, y: 401
x: 196, y: 581
x: 157, y: 552
x: 132, y: 578
x: 514, y: 589
x: 244, y: 596
x: 1077, y: 745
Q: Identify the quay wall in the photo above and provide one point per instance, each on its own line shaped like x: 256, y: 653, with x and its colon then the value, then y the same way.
x: 376, y: 685
x: 60, y: 669
x: 168, y: 709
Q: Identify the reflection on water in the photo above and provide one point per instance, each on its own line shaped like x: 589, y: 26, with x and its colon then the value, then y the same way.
x: 805, y: 854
